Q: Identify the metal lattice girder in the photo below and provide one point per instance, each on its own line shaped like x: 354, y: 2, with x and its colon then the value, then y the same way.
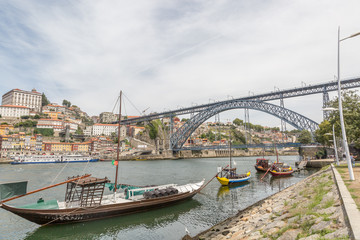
x: 295, y: 119
x: 242, y: 146
x: 294, y: 92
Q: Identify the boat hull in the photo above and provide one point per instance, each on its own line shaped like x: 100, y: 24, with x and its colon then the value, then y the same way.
x: 261, y: 169
x: 226, y: 181
x: 72, y: 215
x: 43, y: 162
x: 279, y: 174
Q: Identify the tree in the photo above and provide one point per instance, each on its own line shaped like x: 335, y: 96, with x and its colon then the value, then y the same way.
x: 44, y: 100
x: 305, y: 137
x: 238, y: 122
x: 324, y: 133
x: 351, y: 111
x: 238, y: 136
x: 184, y: 119
x: 66, y: 103
x: 47, y: 132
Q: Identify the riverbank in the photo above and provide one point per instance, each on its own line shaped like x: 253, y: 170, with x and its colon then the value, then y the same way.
x: 310, y: 209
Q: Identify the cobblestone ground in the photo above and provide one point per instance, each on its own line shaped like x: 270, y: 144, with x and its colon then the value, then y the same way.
x: 310, y: 209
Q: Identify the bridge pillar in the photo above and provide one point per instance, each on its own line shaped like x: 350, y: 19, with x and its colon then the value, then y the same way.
x: 247, y: 126
x: 171, y: 132
x: 283, y: 123
x: 326, y: 101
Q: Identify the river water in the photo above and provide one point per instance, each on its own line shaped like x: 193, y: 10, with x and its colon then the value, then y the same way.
x: 211, y: 206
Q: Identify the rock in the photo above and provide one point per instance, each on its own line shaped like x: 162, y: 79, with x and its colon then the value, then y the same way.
x: 290, y: 234
x: 311, y: 237
x: 293, y: 219
x: 244, y: 219
x: 343, y: 232
x: 320, y: 226
x: 226, y: 232
x: 329, y: 210
x: 275, y: 224
x: 268, y: 210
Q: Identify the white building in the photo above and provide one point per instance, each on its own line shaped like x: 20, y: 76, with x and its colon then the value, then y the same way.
x: 55, y: 124
x: 14, y: 111
x: 20, y: 97
x: 100, y: 129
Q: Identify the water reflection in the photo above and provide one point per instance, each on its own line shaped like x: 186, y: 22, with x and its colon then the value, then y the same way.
x: 224, y: 190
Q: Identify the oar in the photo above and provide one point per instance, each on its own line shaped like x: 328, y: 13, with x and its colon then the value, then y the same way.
x: 41, y: 189
x: 213, y: 178
x: 267, y: 171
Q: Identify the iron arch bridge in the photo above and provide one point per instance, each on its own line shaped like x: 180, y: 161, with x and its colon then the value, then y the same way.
x: 297, y: 120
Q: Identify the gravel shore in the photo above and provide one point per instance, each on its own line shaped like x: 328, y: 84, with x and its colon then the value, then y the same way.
x: 310, y: 209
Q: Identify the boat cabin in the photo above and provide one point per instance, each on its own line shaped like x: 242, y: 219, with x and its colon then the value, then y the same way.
x: 86, y: 192
x: 262, y: 162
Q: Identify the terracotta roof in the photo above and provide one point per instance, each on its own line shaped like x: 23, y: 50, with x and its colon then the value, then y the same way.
x: 104, y: 124
x: 14, y: 106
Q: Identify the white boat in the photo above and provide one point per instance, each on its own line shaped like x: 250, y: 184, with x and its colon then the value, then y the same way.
x: 39, y: 159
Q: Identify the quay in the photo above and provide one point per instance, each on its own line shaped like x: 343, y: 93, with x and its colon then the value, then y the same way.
x: 325, y: 210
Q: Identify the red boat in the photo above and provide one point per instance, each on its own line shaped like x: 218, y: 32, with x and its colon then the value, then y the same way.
x: 262, y: 164
x: 280, y: 169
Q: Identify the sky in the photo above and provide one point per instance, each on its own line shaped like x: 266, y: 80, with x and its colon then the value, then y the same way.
x: 169, y: 54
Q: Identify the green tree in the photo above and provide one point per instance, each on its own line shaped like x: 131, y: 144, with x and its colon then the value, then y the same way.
x: 184, y: 119
x: 238, y: 122
x: 44, y: 100
x: 305, y: 137
x: 238, y: 136
x: 47, y: 132
x: 324, y: 133
x: 351, y: 112
x: 66, y: 103
x: 79, y: 131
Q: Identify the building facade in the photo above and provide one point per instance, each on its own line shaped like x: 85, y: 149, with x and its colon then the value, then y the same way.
x: 66, y: 147
x: 14, y: 111
x: 20, y: 97
x: 108, y: 117
x: 100, y: 129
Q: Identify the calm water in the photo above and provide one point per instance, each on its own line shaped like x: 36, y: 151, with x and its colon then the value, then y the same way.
x: 211, y: 206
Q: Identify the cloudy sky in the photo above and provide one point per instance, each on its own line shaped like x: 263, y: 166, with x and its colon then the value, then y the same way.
x: 170, y: 54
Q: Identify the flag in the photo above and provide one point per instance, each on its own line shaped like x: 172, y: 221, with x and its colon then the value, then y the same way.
x: 8, y: 190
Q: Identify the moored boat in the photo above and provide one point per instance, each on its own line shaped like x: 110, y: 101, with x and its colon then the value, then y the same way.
x: 229, y: 176
x: 40, y: 159
x: 85, y: 199
x: 262, y: 164
x: 280, y: 169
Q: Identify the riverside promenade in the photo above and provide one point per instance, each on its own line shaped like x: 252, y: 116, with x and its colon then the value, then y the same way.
x: 315, y: 208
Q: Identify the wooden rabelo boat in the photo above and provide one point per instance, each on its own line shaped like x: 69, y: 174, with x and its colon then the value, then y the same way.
x: 85, y: 199
x: 262, y: 164
x: 228, y: 176
x: 279, y: 168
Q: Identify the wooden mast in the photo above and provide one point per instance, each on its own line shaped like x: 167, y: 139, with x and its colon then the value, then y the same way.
x: 118, y: 145
x: 230, y: 148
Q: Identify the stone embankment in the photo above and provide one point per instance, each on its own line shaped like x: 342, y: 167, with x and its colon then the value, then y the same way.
x: 310, y: 209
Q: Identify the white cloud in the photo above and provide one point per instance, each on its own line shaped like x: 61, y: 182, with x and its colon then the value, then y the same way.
x: 167, y: 54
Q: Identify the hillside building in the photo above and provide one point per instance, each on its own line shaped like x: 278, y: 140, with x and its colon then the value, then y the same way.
x: 18, y: 97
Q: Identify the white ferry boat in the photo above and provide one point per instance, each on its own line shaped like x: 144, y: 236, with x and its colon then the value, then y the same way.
x: 35, y: 159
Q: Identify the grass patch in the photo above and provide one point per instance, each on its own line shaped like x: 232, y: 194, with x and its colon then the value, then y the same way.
x: 286, y: 203
x: 354, y: 196
x: 323, y: 232
x: 306, y: 225
x: 295, y: 205
x: 329, y: 203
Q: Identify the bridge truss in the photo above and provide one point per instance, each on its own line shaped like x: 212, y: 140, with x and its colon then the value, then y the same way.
x: 297, y: 120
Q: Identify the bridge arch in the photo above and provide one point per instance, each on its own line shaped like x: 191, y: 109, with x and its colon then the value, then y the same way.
x: 297, y: 120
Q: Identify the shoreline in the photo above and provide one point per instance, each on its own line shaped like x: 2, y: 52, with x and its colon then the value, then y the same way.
x: 288, y: 214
